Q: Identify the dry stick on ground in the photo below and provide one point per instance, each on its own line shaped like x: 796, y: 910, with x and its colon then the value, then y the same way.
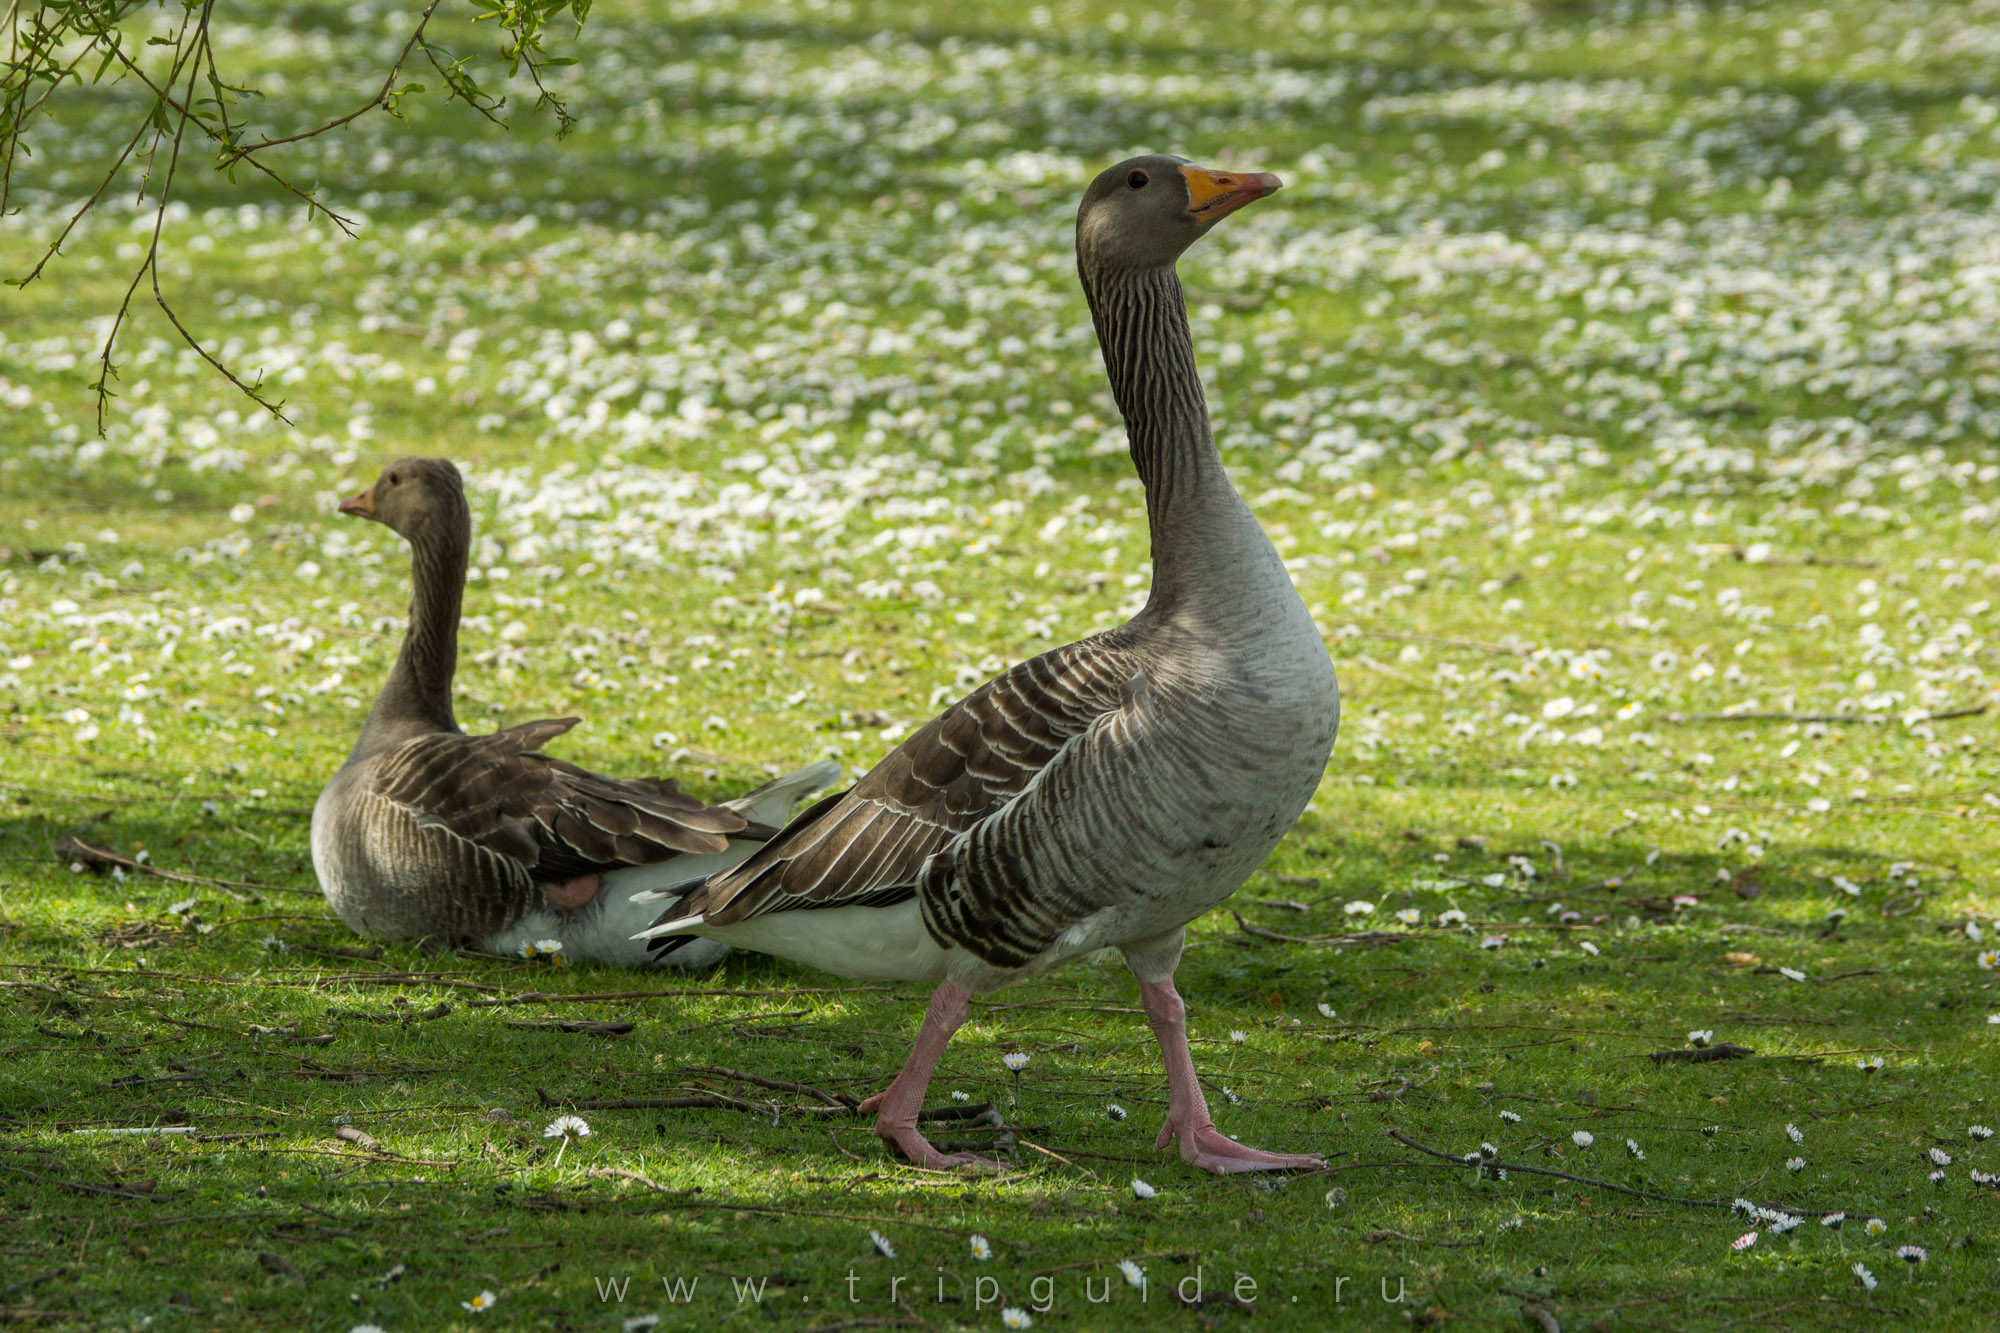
x: 1722, y: 1050
x: 1541, y: 1318
x: 1942, y: 715
x: 781, y: 1085
x: 1365, y: 939
x: 74, y: 848
x: 586, y: 1025
x: 82, y: 1188
x: 1382, y: 1234
x: 438, y: 1010
x: 360, y: 1138
x: 713, y: 1101
x: 1409, y: 1142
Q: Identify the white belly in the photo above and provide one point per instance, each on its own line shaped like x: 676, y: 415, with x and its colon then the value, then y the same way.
x: 865, y: 943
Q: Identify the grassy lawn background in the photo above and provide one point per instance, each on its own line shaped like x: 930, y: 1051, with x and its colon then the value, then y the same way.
x: 1622, y: 383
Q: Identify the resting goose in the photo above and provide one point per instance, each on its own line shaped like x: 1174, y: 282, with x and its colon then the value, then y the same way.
x: 428, y: 833
x: 1101, y: 795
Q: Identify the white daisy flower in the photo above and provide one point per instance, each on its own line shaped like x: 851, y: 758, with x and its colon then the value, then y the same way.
x: 1115, y: 1111
x: 1795, y: 1164
x: 1632, y: 1149
x: 564, y: 1126
x: 1135, y: 1276
x: 1141, y: 1190
x: 1588, y: 948
x: 1876, y: 1226
x: 1326, y: 1010
x: 1359, y: 907
x: 1015, y: 1060
x: 1701, y: 1037
x: 1791, y: 974
x: 881, y: 1244
x: 1511, y: 1117
x: 481, y: 1303
x: 982, y: 1249
x: 1583, y: 1138
x: 1744, y: 1241
x: 1015, y: 1317
x: 1794, y: 1133
x: 1980, y: 1132
x: 1867, y: 1278
x: 1940, y: 1157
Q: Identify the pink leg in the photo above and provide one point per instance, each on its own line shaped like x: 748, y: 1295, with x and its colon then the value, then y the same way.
x: 1187, y: 1110
x: 571, y: 892
x: 897, y: 1105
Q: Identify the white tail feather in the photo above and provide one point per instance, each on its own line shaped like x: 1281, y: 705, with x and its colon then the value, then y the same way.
x: 772, y: 803
x: 671, y: 928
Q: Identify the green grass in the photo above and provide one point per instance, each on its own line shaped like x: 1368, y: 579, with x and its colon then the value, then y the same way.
x: 785, y: 424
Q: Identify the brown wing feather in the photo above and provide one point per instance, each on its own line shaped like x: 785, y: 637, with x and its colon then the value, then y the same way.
x: 554, y: 819
x: 867, y: 844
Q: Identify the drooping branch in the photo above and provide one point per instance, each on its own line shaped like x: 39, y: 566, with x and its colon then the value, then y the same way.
x: 54, y: 47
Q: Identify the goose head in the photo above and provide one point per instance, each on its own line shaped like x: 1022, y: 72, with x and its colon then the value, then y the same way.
x: 1142, y: 213
x: 417, y: 498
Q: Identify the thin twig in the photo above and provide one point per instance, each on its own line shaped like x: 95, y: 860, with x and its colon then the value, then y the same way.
x: 1942, y: 715
x: 1409, y: 1142
x: 380, y: 99
x: 75, y: 849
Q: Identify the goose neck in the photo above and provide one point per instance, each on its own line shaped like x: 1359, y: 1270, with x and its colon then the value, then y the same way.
x: 1202, y: 533
x: 418, y: 691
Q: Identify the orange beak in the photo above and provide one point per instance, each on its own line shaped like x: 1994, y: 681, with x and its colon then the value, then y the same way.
x: 361, y: 506
x: 1215, y: 194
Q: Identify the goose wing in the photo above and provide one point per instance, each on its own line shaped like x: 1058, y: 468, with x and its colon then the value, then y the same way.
x: 552, y: 819
x: 867, y: 845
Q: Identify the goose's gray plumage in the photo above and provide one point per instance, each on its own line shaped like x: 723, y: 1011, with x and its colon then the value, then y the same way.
x: 428, y: 833
x: 1105, y: 793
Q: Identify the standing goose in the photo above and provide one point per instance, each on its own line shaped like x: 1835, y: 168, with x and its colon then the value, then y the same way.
x: 427, y: 833
x: 1103, y: 794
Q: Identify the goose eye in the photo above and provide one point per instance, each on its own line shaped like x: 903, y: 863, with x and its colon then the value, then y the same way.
x: 392, y: 479
x: 1137, y: 180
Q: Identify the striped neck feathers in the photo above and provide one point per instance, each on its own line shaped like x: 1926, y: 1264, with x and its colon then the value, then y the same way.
x: 417, y: 696
x: 1199, y: 525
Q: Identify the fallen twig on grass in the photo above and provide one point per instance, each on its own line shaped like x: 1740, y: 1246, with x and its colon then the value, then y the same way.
x: 707, y: 1100
x: 1382, y: 1234
x: 360, y: 1138
x: 1409, y: 1142
x: 1365, y: 939
x: 1941, y: 715
x: 833, y: 1100
x: 75, y: 850
x: 438, y: 1010
x: 574, y: 1025
x: 1541, y: 1318
x: 81, y: 1187
x: 1722, y: 1050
